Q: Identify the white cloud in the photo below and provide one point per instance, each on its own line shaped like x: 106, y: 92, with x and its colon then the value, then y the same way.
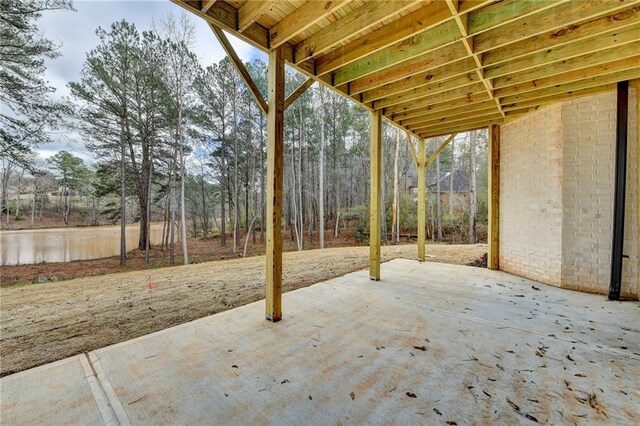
x: 75, y: 31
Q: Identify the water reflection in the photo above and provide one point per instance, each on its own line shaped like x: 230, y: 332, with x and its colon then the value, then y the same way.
x: 66, y: 244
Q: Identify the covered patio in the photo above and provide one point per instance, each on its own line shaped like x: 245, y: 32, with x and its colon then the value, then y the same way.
x: 440, y: 67
x: 434, y: 343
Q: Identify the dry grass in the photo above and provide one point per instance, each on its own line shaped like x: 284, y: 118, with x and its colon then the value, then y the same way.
x: 41, y: 323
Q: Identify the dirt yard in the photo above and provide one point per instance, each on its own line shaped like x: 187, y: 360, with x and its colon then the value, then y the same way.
x: 46, y: 322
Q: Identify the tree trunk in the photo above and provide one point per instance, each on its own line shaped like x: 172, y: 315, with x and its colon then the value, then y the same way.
x: 395, y: 237
x: 453, y: 158
x: 438, y: 201
x: 123, y: 210
x: 321, y: 171
x: 472, y: 188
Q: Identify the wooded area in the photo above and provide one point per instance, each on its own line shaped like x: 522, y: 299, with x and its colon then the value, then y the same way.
x: 185, y: 143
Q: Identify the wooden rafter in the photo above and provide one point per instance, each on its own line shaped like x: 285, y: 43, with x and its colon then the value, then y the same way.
x: 468, y: 42
x: 362, y: 18
x: 251, y: 11
x: 206, y: 5
x: 299, y: 91
x: 433, y: 67
x: 239, y: 66
x: 301, y: 19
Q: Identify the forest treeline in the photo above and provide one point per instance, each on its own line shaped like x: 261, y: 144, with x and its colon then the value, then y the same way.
x: 183, y: 142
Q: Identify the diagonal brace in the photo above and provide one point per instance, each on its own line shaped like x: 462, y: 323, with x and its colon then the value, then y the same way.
x: 298, y: 92
x: 239, y: 66
x: 439, y: 150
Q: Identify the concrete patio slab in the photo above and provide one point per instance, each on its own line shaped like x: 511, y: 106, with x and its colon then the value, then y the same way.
x: 430, y: 343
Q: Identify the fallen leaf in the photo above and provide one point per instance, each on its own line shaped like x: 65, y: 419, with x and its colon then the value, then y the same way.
x: 451, y: 422
x: 411, y: 395
x: 420, y: 348
x: 435, y: 410
x: 579, y: 375
x: 513, y: 405
x: 530, y: 417
x: 535, y: 288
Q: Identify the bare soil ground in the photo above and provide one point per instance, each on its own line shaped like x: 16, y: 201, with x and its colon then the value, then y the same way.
x: 41, y: 323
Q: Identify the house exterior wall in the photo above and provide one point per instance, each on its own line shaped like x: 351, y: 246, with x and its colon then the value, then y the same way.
x: 531, y: 196
x: 589, y: 145
x: 556, y: 195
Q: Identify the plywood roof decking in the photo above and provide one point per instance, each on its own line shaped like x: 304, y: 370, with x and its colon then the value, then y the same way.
x: 440, y: 66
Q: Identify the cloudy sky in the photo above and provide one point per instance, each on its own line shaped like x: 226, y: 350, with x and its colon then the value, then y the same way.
x: 75, y: 31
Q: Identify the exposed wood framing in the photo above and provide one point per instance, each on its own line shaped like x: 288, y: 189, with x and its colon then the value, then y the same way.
x: 412, y: 150
x: 437, y: 152
x: 206, y: 5
x: 362, y: 18
x: 251, y: 11
x: 301, y: 19
x: 375, y: 195
x: 275, y: 174
x: 239, y: 66
x: 468, y: 41
x: 493, y: 186
x: 298, y: 92
x: 435, y: 64
x: 422, y: 208
x: 638, y: 188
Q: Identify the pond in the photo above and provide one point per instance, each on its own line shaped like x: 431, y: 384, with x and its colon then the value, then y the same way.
x: 66, y: 244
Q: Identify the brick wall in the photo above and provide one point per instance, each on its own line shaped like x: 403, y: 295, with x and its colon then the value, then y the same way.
x: 589, y: 135
x: 531, y: 196
x: 556, y: 195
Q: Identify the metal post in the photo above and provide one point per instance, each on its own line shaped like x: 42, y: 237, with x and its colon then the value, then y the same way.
x: 619, y: 191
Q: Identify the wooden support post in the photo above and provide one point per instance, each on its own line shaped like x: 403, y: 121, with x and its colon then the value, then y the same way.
x: 275, y: 166
x: 493, y: 259
x: 638, y: 187
x: 422, y: 210
x: 375, y: 194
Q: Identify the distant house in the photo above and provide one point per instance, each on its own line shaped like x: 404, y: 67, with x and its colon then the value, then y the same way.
x: 460, y: 187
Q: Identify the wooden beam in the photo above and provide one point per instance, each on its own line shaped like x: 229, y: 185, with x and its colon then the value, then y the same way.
x: 553, y: 98
x: 585, y: 37
x: 405, y: 27
x: 638, y: 189
x: 571, y: 76
x: 415, y: 66
x: 375, y: 194
x: 437, y: 152
x: 460, y: 129
x: 427, y: 41
x: 572, y: 64
x: 421, y: 127
x: 628, y: 74
x: 437, y: 77
x: 444, y: 97
x: 422, y: 208
x: 449, y: 117
x: 304, y: 17
x: 506, y: 11
x: 493, y: 185
x: 251, y: 11
x: 550, y: 19
x: 360, y: 19
x: 480, y: 100
x: 239, y: 66
x: 275, y: 174
x: 412, y: 150
x: 469, y: 44
x: 299, y: 91
x: 207, y: 5
x: 427, y: 90
x: 441, y: 111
